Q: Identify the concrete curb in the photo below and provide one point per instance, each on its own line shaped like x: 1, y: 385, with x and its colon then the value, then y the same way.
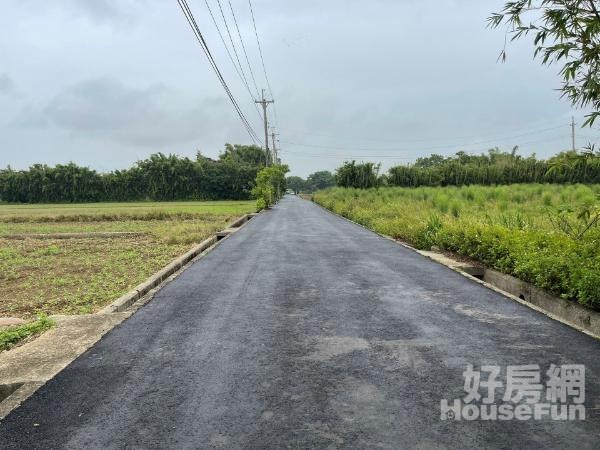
x: 573, y: 315
x: 125, y: 301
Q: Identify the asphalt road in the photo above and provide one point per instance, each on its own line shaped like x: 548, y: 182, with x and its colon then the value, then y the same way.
x: 305, y: 330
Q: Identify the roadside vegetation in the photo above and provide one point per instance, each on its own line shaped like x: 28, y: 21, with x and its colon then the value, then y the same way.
x: 11, y: 336
x: 270, y: 186
x: 544, y: 234
x: 81, y: 275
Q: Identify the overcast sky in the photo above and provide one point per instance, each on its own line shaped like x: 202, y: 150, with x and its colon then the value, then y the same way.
x: 104, y: 83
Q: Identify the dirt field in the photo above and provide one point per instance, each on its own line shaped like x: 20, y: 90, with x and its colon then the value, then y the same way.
x: 81, y: 275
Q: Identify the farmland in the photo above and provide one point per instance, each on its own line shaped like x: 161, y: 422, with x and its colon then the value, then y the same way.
x: 53, y: 275
x: 543, y: 234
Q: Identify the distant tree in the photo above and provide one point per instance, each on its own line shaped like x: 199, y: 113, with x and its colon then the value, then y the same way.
x: 565, y: 31
x: 169, y: 177
x: 430, y: 161
x: 320, y: 180
x: 499, y: 167
x: 244, y: 154
x: 360, y: 176
x: 158, y: 177
x: 296, y: 184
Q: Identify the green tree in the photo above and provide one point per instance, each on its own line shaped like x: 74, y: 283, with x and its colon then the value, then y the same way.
x: 320, y: 180
x: 270, y: 185
x: 360, y: 176
x: 498, y: 167
x: 296, y: 184
x: 159, y: 177
x: 566, y: 31
x: 244, y: 154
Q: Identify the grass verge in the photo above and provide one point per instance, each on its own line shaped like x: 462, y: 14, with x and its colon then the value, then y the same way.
x: 11, y: 336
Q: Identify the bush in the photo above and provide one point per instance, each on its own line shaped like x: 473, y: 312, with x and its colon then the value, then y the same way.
x: 270, y: 186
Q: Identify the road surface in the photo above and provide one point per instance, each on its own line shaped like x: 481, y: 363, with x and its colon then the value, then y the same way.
x: 305, y: 330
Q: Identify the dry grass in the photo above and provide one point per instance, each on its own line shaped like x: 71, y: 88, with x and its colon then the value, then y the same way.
x: 74, y: 276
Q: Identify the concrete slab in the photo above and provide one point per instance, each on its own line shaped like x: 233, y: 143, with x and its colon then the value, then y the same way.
x: 44, y: 357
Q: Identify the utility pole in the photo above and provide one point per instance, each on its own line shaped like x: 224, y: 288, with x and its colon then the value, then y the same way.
x: 274, y: 144
x: 573, y: 133
x: 264, y: 103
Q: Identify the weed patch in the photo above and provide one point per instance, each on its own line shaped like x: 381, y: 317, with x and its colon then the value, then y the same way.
x: 11, y: 336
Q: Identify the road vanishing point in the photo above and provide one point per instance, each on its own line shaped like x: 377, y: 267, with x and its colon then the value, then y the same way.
x: 304, y: 330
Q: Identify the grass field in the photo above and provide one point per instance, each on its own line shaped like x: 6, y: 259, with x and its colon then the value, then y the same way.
x: 73, y: 276
x: 530, y: 231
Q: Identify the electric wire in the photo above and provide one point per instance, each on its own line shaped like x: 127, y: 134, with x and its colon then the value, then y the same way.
x: 196, y: 30
x: 396, y: 149
x: 262, y: 60
x: 394, y: 157
x: 231, y: 57
x: 237, y: 57
x: 243, y: 48
x: 414, y: 141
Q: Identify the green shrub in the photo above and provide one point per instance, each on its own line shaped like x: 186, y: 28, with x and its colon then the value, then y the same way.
x: 270, y: 186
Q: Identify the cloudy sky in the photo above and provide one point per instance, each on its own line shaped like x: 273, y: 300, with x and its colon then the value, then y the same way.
x: 104, y: 83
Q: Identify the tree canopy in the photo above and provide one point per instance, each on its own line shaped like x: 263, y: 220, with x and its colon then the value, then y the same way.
x: 296, y: 184
x: 361, y: 176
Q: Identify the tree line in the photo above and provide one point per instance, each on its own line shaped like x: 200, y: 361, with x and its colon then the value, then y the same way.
x: 160, y: 177
x: 495, y: 167
x: 314, y: 182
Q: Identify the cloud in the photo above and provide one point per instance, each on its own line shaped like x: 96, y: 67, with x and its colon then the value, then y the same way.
x: 392, y: 77
x: 7, y: 85
x: 99, y: 11
x: 147, y: 117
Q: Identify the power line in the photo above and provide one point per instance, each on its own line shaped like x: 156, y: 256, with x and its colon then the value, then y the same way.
x: 422, y: 149
x: 231, y: 56
x: 243, y: 47
x: 233, y: 45
x: 262, y: 60
x: 391, y: 157
x: 196, y: 30
x: 394, y: 157
x: 309, y: 155
x: 445, y: 139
